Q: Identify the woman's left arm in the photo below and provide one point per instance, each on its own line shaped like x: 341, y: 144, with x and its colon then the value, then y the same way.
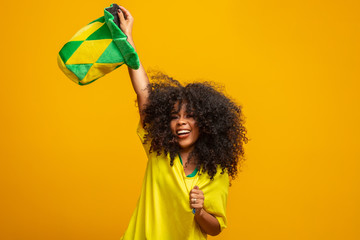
x: 207, y: 222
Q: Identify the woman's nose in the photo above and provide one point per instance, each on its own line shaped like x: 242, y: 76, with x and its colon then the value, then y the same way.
x: 181, y: 121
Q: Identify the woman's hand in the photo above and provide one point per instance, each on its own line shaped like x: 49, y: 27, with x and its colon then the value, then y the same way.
x: 207, y: 222
x: 126, y: 21
x: 197, y: 199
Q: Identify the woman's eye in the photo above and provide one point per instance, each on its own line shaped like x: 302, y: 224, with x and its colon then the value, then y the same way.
x: 174, y: 117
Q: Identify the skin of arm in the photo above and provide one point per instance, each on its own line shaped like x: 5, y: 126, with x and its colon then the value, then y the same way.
x: 139, y: 78
x: 207, y: 222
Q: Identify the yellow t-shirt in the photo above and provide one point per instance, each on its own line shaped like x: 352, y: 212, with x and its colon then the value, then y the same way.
x: 163, y: 209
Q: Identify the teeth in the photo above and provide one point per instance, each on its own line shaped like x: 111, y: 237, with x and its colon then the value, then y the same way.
x: 182, y: 131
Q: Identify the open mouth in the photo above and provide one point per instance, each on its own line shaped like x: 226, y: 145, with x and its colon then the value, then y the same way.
x: 183, y: 133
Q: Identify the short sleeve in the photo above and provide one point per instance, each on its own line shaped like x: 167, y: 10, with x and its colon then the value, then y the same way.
x: 216, y: 198
x: 141, y: 132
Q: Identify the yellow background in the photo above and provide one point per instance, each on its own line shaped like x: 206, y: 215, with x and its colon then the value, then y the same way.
x: 71, y: 164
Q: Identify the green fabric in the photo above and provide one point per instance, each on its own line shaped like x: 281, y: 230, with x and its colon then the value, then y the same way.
x: 116, y: 51
x: 114, y: 29
x: 191, y: 174
x: 68, y: 50
x: 101, y: 33
x: 130, y: 56
x: 131, y: 59
x: 110, y: 55
x: 80, y: 70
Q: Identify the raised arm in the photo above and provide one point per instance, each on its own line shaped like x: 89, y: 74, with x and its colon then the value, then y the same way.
x: 139, y: 78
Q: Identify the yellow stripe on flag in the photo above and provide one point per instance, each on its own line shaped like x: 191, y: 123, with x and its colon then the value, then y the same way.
x: 67, y: 72
x: 89, y: 51
x: 86, y: 31
x: 98, y: 70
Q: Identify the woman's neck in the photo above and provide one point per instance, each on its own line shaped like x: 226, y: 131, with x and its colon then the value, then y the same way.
x: 184, y: 153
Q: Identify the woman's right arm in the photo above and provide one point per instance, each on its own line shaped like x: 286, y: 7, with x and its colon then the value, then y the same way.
x: 139, y: 78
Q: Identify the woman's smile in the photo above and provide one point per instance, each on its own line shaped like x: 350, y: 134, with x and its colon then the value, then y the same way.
x: 183, y: 133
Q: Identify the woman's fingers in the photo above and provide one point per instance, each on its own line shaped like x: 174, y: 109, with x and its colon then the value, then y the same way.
x: 196, y: 192
x: 126, y: 21
x: 126, y: 12
x: 196, y: 198
x: 199, y: 203
x: 121, y: 16
x: 196, y: 206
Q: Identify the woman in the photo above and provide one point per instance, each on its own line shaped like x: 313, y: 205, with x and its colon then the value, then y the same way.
x: 193, y: 136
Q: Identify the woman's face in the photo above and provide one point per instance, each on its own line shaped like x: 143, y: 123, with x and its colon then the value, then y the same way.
x: 184, y: 127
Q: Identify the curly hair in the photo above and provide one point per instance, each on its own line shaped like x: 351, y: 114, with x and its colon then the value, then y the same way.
x: 220, y: 121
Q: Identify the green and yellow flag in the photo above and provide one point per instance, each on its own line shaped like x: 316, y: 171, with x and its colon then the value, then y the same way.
x: 95, y: 50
